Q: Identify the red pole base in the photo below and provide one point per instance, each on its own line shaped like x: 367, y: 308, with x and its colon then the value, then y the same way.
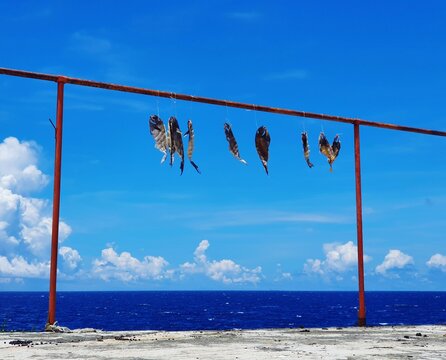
x: 361, y: 322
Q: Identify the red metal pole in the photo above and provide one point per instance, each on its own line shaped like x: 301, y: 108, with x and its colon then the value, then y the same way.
x: 56, y: 203
x: 361, y: 312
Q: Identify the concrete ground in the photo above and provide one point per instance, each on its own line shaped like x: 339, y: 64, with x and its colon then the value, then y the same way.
x: 417, y: 342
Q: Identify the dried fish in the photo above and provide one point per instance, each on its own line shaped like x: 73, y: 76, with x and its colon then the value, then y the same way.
x: 190, y: 144
x: 336, y: 147
x: 306, y: 149
x: 262, y: 145
x: 330, y: 151
x: 233, y: 147
x: 158, y: 131
x: 175, y: 142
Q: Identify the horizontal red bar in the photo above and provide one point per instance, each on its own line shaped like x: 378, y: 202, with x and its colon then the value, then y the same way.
x: 234, y: 104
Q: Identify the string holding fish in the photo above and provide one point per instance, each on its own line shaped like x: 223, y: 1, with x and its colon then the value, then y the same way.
x: 190, y: 145
x: 158, y: 107
x: 173, y: 97
x: 262, y: 141
x: 255, y: 116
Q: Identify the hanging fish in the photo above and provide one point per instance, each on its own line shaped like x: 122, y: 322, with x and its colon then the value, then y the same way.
x: 190, y: 144
x: 330, y: 151
x: 170, y: 144
x: 262, y: 145
x: 176, y: 142
x: 336, y: 147
x: 158, y: 132
x: 233, y: 147
x: 306, y: 149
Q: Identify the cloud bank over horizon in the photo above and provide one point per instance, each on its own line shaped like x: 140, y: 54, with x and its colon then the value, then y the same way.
x: 25, y: 234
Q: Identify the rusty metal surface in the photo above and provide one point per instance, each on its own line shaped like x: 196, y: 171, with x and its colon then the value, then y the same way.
x: 56, y: 205
x: 218, y: 102
x: 361, y: 311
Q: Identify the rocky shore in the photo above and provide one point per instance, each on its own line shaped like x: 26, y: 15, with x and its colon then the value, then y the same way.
x: 402, y: 342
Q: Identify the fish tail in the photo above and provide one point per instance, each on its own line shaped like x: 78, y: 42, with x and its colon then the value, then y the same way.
x: 164, y: 157
x: 195, y: 166
x: 310, y: 165
x: 265, y: 165
x: 181, y: 166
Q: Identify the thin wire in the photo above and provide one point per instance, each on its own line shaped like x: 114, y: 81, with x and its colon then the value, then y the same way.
x: 158, y: 105
x: 255, y: 116
x: 174, y: 100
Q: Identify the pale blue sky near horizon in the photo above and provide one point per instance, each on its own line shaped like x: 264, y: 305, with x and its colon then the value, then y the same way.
x: 131, y: 223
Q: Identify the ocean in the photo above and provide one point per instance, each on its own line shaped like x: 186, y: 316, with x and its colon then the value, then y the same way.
x: 218, y: 310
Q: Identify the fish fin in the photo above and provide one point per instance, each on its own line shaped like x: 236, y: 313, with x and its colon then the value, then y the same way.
x: 164, y: 157
x: 243, y: 161
x: 182, y: 167
x: 186, y: 133
x: 310, y: 165
x: 195, y: 166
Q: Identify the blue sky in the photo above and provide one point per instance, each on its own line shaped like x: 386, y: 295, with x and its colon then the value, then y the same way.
x: 130, y: 223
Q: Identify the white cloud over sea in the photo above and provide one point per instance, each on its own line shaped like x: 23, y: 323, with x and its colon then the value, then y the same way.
x: 226, y: 271
x: 437, y: 261
x: 125, y: 267
x: 339, y: 258
x: 25, y: 221
x: 395, y: 259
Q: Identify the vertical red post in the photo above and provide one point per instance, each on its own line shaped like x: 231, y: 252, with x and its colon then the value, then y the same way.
x: 361, y: 312
x: 56, y: 203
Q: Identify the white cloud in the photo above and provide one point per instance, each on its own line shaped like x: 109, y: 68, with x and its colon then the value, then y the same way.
x: 18, y: 170
x: 339, y: 258
x: 37, y: 236
x: 24, y: 219
x: 284, y: 276
x: 226, y: 271
x: 70, y: 256
x: 19, y: 267
x: 313, y: 266
x: 5, y: 238
x: 395, y: 259
x: 437, y: 261
x: 126, y: 268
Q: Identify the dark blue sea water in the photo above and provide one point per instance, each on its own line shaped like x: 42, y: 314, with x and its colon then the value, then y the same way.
x: 200, y: 310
